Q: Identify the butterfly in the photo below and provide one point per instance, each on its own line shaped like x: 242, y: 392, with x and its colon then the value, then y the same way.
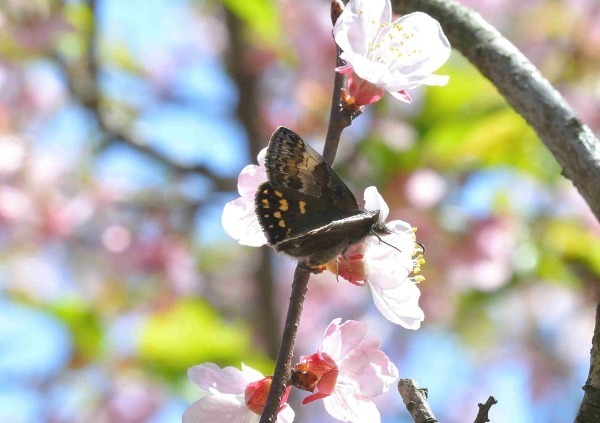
x: 305, y: 209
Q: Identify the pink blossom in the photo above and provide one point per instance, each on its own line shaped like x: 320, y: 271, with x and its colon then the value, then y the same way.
x: 386, y: 264
x: 382, y: 55
x: 231, y: 395
x: 348, y: 371
x: 239, y: 219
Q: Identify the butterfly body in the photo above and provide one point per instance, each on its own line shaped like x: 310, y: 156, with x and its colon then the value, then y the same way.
x: 305, y: 209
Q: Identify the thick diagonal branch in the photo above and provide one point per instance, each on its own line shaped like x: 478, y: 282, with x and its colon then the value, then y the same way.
x: 571, y: 142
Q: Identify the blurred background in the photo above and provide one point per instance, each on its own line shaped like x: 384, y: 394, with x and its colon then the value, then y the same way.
x: 123, y: 127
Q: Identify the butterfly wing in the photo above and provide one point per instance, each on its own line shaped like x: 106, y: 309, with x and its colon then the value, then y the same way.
x: 305, y: 209
x: 295, y: 165
x: 324, y: 243
x: 284, y: 213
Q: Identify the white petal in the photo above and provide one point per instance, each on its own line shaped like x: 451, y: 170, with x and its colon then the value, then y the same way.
x: 228, y: 380
x: 398, y: 81
x: 399, y: 305
x: 424, y: 47
x: 374, y: 201
x: 286, y: 415
x: 251, y: 375
x: 240, y: 222
x: 261, y: 157
x: 359, y: 24
x: 345, y: 406
x: 218, y: 409
x: 374, y: 72
x: 341, y: 338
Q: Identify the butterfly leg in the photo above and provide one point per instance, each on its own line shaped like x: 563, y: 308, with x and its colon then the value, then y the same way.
x: 311, y: 268
x: 324, y: 256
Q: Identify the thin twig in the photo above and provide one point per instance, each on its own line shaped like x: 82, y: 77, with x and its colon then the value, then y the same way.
x: 286, y: 350
x: 484, y: 409
x: 571, y: 142
x: 337, y: 122
x: 415, y: 400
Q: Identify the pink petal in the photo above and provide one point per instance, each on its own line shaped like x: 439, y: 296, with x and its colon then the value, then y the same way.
x: 339, y: 339
x: 347, y: 407
x: 228, y: 380
x: 240, y: 222
x: 369, y: 370
x: 401, y: 95
x: 314, y: 397
x: 344, y: 69
x: 217, y: 409
x: 374, y: 201
x: 249, y: 179
x: 399, y: 305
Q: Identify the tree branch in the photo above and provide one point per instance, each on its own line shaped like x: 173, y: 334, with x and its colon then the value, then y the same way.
x: 484, y: 409
x: 415, y: 400
x: 571, y: 142
x: 589, y: 410
x: 82, y: 80
x: 246, y: 81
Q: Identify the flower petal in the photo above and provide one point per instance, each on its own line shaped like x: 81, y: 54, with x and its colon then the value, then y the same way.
x: 374, y: 72
x: 347, y: 407
x: 341, y: 338
x: 228, y: 380
x: 369, y: 370
x: 401, y: 95
x: 240, y: 222
x: 286, y: 414
x: 218, y: 408
x: 374, y: 201
x: 360, y: 23
x: 399, y: 305
x: 251, y: 375
x: 423, y: 50
x: 249, y: 179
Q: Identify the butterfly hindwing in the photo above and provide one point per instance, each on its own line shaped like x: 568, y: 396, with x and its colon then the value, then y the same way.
x: 325, y: 242
x: 295, y: 165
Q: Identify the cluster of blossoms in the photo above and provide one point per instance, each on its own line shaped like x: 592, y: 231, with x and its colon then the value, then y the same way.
x: 385, y: 265
x: 346, y: 373
x: 349, y: 369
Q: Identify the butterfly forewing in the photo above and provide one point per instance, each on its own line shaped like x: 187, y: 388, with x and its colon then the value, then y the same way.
x: 305, y: 210
x: 293, y: 164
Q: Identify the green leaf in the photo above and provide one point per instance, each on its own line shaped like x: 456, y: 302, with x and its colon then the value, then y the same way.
x: 191, y: 332
x: 261, y: 16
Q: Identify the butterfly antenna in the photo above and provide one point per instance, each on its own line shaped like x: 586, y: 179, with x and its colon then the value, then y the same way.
x: 421, y: 245
x: 386, y: 243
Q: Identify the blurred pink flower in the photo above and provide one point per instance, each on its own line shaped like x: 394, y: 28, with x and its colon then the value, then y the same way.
x: 231, y: 395
x: 238, y: 219
x: 348, y: 371
x: 382, y: 55
x: 385, y: 265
